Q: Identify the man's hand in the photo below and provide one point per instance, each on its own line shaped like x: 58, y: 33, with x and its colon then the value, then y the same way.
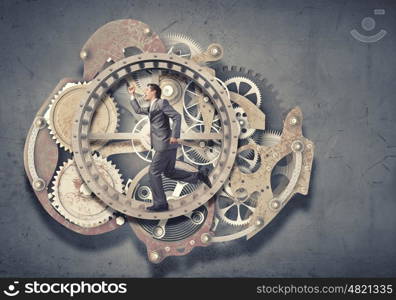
x: 131, y: 89
x: 173, y: 140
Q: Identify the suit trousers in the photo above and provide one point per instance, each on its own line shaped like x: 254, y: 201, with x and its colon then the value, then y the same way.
x: 164, y: 162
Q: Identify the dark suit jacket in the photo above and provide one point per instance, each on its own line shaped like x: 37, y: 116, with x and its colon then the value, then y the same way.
x: 160, y: 130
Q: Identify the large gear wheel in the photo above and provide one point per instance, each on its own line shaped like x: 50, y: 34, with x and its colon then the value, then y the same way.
x: 65, y: 104
x: 110, y: 77
x: 75, y: 202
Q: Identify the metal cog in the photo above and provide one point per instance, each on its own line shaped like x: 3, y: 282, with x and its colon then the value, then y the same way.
x: 72, y: 198
x: 271, y: 138
x: 63, y: 107
x: 245, y: 87
x: 237, y: 217
x: 191, y: 112
x: 182, y: 45
x: 248, y: 161
x: 246, y: 131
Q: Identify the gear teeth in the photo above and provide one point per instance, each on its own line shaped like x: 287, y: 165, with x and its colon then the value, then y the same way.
x: 225, y: 220
x: 273, y: 132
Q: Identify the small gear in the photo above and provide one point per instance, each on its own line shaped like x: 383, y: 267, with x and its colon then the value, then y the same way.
x: 254, y: 173
x: 63, y: 107
x: 244, y: 87
x: 192, y: 96
x: 206, y: 152
x: 182, y: 45
x: 246, y: 130
x: 72, y: 198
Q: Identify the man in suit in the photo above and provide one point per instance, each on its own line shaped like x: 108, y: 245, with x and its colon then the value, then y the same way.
x: 164, y: 140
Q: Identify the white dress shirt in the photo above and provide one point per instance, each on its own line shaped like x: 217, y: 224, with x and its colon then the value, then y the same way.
x: 152, y: 102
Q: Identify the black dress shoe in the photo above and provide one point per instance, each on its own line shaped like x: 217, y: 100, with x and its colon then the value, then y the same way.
x: 203, y: 176
x: 159, y: 207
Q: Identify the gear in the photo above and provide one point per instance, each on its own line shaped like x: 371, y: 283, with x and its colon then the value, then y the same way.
x: 244, y: 87
x: 249, y: 90
x: 205, y: 152
x: 254, y: 173
x: 246, y: 131
x: 173, y: 236
x: 182, y: 45
x: 63, y: 107
x: 171, y: 83
x: 235, y: 210
x: 72, y: 198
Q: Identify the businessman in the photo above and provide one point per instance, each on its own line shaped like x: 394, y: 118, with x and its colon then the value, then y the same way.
x: 164, y: 140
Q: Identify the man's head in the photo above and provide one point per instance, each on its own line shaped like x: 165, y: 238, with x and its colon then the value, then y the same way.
x: 152, y: 91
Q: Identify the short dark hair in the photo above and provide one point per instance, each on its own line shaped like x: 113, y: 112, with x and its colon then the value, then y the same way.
x: 156, y: 88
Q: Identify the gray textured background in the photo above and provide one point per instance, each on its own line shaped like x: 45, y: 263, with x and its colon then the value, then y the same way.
x: 346, y: 89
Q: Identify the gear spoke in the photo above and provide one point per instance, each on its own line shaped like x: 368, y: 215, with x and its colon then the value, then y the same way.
x: 224, y: 210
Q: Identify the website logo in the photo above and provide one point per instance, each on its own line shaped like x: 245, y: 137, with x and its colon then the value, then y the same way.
x: 12, y: 291
x: 368, y: 24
